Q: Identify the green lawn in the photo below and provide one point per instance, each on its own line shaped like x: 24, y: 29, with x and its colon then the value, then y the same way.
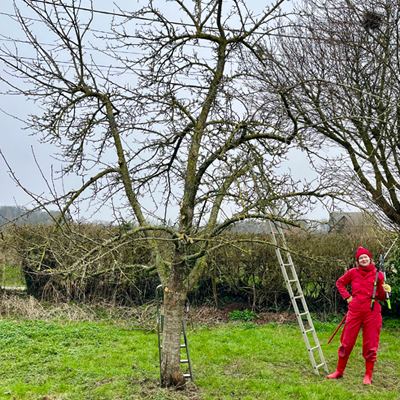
x: 11, y: 276
x: 95, y: 360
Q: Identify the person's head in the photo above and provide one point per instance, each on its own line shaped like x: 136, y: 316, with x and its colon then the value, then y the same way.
x: 363, y: 257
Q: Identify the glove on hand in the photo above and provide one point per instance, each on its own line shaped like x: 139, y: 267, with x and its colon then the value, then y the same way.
x: 387, y: 288
x: 349, y: 299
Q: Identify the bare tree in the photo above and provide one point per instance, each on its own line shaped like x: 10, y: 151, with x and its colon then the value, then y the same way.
x: 339, y: 78
x: 173, y: 125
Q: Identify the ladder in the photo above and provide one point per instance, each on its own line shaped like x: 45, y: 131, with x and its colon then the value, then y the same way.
x: 184, y: 346
x: 297, y: 296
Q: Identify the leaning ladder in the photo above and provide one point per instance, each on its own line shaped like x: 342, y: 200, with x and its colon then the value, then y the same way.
x: 296, y: 295
x: 184, y: 345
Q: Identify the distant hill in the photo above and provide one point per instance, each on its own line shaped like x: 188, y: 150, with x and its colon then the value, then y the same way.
x: 22, y: 216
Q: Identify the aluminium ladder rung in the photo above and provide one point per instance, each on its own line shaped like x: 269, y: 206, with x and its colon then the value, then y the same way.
x: 313, y: 348
x: 301, y: 314
x: 308, y: 330
x: 320, y: 365
x: 182, y: 361
x: 182, y: 346
x: 298, y: 297
x: 187, y: 375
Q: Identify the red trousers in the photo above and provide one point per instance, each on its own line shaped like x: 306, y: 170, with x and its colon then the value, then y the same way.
x: 371, y: 323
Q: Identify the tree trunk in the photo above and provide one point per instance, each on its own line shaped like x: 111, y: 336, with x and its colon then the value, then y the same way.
x: 171, y: 373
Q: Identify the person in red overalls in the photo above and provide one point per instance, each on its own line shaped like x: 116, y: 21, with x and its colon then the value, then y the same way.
x: 362, y: 280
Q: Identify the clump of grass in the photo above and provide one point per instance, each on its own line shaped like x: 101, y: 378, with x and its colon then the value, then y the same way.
x: 390, y: 323
x: 12, y: 276
x: 243, y: 316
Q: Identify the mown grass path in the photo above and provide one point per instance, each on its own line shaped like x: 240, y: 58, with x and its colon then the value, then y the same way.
x: 94, y: 360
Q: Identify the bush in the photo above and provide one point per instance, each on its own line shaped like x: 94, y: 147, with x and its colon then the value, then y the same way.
x: 246, y: 271
x: 393, y: 279
x: 244, y: 316
x: 50, y: 261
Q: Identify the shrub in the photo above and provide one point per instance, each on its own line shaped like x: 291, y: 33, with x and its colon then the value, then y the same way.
x: 244, y: 316
x: 245, y: 270
x: 393, y: 279
x: 50, y: 262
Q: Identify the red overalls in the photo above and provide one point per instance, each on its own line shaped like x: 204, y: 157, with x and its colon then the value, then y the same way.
x: 360, y: 313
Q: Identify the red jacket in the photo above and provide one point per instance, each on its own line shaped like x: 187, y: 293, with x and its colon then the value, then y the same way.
x: 362, y: 285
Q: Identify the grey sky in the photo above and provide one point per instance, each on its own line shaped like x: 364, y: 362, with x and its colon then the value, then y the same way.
x: 29, y: 159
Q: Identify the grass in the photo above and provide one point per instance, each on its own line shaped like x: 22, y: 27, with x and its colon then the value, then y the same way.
x: 80, y: 360
x: 51, y: 360
x: 11, y: 276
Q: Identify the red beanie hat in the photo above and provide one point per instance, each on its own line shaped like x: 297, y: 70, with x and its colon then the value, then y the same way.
x: 361, y: 251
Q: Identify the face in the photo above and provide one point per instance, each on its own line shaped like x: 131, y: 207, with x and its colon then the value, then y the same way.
x: 364, y: 260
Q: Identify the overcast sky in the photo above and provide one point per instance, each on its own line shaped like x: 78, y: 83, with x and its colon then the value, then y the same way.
x: 29, y: 159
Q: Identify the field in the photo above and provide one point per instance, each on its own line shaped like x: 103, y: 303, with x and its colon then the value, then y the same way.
x: 11, y: 276
x: 110, y: 358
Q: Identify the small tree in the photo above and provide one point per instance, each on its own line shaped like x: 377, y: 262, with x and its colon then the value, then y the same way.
x: 173, y: 126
